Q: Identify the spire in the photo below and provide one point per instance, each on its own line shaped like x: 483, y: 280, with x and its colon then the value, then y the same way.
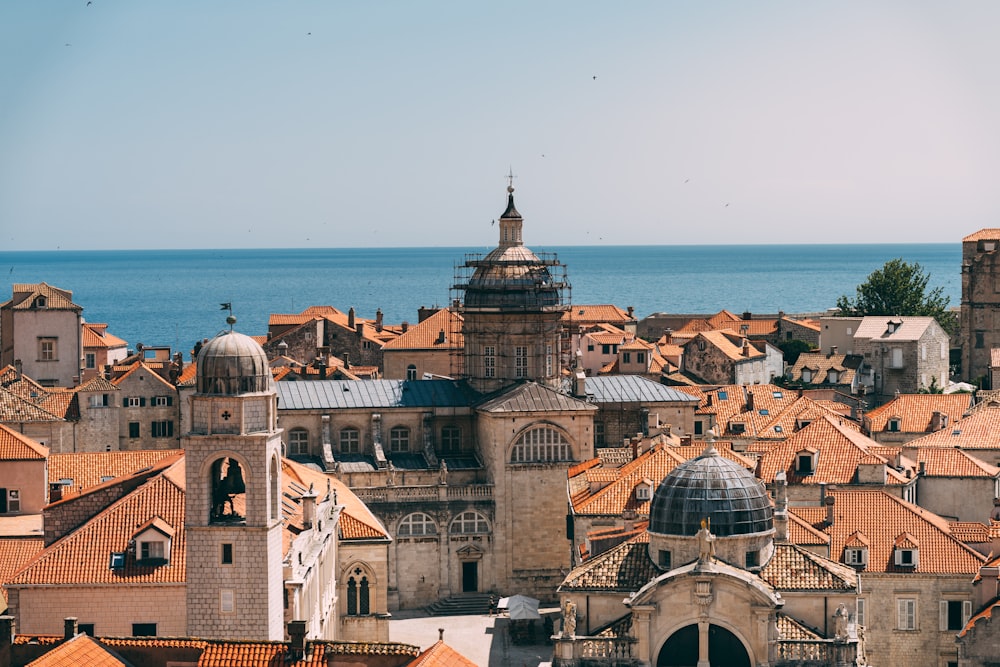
x: 510, y: 221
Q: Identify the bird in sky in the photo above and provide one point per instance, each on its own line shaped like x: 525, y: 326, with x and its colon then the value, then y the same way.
x: 89, y: 3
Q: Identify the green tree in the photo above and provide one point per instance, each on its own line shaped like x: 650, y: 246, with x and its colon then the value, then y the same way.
x: 791, y: 350
x: 899, y: 288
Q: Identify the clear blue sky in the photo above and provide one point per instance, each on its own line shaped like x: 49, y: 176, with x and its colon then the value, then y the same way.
x: 291, y: 124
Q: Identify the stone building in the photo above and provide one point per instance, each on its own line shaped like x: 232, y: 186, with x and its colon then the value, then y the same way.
x: 724, y: 357
x: 23, y: 486
x: 41, y: 332
x: 149, y: 417
x: 979, y: 316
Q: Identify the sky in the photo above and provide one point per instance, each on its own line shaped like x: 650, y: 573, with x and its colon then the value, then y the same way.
x: 328, y: 123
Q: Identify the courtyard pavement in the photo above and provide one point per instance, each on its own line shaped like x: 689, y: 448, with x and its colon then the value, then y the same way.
x: 483, y: 639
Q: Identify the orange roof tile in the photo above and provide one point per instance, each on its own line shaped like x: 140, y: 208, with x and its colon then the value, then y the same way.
x: 950, y: 462
x: 80, y: 651
x: 970, y: 532
x: 139, y: 367
x: 801, y: 531
x: 441, y: 655
x: 986, y: 234
x: 427, y: 335
x: 357, y: 522
x: 596, y: 313
x: 15, y: 552
x: 15, y: 446
x: 884, y: 518
x: 17, y: 409
x: 915, y: 412
x: 977, y: 431
x: 56, y: 299
x: 89, y: 469
x: 96, y: 335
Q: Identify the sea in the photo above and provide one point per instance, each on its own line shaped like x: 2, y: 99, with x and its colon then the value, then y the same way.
x: 173, y: 297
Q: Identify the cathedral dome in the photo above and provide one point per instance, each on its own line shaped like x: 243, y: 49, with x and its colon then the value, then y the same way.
x: 233, y: 363
x: 710, y: 486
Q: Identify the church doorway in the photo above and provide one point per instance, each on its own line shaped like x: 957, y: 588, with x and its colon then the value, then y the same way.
x: 724, y: 648
x: 470, y: 576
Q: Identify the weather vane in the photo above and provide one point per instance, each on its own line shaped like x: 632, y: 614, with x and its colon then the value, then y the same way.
x: 230, y: 319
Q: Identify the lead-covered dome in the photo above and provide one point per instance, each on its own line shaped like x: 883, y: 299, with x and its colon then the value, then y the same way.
x: 710, y: 486
x: 233, y: 363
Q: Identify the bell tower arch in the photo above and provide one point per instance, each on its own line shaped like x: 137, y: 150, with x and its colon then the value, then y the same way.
x: 232, y: 497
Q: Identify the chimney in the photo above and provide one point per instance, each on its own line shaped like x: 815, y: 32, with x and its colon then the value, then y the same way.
x: 405, y: 326
x: 69, y: 628
x: 833, y: 350
x: 378, y: 320
x: 747, y: 315
x: 55, y: 492
x: 708, y: 400
x: 350, y: 317
x: 922, y: 468
x: 829, y: 502
x: 440, y: 634
x: 746, y: 348
x: 780, y: 507
x: 631, y: 312
x: 359, y: 327
x: 309, y: 507
x: 347, y: 360
x: 668, y: 335
x: 580, y: 383
x: 749, y: 401
x: 17, y: 369
x: 296, y: 639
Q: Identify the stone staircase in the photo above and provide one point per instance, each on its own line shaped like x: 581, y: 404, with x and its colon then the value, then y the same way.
x: 466, y: 604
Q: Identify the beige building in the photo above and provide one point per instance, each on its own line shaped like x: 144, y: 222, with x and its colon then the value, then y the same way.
x: 430, y: 349
x: 41, y: 332
x: 23, y: 483
x: 149, y: 414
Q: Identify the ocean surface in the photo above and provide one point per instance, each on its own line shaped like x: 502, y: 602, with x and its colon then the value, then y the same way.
x: 172, y: 297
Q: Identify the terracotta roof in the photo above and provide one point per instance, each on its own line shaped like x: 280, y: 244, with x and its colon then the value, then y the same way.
x: 915, y: 412
x: 790, y: 629
x: 970, y: 532
x: 841, y: 449
x: 80, y: 651
x: 441, y: 655
x: 357, y: 522
x: 57, y: 299
x: 730, y: 344
x: 950, y: 462
x: 821, y: 365
x: 15, y: 552
x: 986, y: 234
x: 17, y: 447
x: 876, y: 326
x: 620, y: 495
x: 139, y: 367
x: 83, y: 556
x: 883, y: 519
x: 795, y: 568
x: 584, y: 314
x: 427, y: 334
x: 97, y: 383
x: 64, y: 403
x: 96, y: 335
x: 803, y: 410
x: 985, y: 616
x: 15, y: 409
x: 624, y: 568
x: 88, y: 469
x: 802, y: 532
x: 980, y: 430
x: 21, y: 385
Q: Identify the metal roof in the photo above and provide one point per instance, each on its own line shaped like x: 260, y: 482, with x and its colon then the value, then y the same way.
x: 346, y: 394
x: 631, y: 389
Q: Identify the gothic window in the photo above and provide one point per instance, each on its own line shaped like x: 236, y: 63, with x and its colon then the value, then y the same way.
x: 350, y: 440
x: 451, y: 439
x: 358, y: 594
x: 417, y: 524
x: 352, y: 597
x: 298, y: 441
x: 399, y: 439
x: 542, y: 443
x: 469, y: 523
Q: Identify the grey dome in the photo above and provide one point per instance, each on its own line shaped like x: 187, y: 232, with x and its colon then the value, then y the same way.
x: 511, y: 276
x: 714, y: 487
x: 233, y: 363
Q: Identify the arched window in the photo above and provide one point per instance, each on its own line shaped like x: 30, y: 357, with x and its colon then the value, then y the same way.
x: 541, y: 443
x: 451, y: 440
x: 470, y: 522
x: 399, y: 439
x: 358, y: 593
x: 274, y: 512
x: 411, y: 372
x: 417, y: 524
x: 364, y: 598
x: 352, y: 597
x: 350, y: 440
x: 298, y: 441
x: 226, y: 482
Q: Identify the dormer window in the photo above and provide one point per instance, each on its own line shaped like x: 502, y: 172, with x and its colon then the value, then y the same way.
x: 856, y: 556
x: 805, y: 461
x: 153, y: 540
x: 644, y: 490
x: 907, y: 557
x: 906, y: 553
x: 893, y: 425
x: 807, y: 375
x: 41, y: 302
x: 833, y: 376
x: 737, y: 428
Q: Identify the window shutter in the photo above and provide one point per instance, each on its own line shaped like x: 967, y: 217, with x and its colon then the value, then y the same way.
x: 943, y: 615
x: 966, y: 611
x: 125, y: 402
x: 170, y: 400
x: 142, y: 401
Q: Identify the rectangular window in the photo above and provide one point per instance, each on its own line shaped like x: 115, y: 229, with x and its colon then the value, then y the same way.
x: 117, y: 560
x: 897, y: 358
x: 161, y: 401
x: 98, y: 401
x: 151, y: 550
x: 752, y: 559
x: 90, y: 360
x: 640, y: 357
x: 859, y: 617
x: 699, y: 428
x: 133, y: 429
x: 599, y: 440
x: 48, y: 349
x: 227, y: 601
x: 13, y: 500
x: 86, y: 629
x: 227, y: 554
x: 605, y: 349
x: 906, y: 614
x: 489, y: 361
x: 590, y: 347
x: 548, y: 360
x: 665, y: 560
x: 520, y: 361
x: 350, y: 441
x: 163, y: 429
x: 133, y: 401
x: 451, y: 439
x: 626, y: 357
x: 144, y: 629
x: 954, y: 614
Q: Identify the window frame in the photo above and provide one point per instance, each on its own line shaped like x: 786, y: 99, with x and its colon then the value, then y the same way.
x: 399, y: 439
x: 162, y: 428
x: 351, y: 437
x: 489, y: 361
x: 298, y: 441
x: 48, y: 348
x: 421, y: 521
x: 469, y: 522
x: 451, y: 439
x: 906, y: 614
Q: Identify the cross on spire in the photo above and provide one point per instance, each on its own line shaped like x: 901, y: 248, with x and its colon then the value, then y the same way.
x: 510, y: 178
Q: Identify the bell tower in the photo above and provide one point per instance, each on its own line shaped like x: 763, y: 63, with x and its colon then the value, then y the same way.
x: 233, y: 495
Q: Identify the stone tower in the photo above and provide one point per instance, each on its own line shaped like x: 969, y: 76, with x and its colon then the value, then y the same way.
x: 980, y: 311
x: 233, y: 495
x: 512, y: 309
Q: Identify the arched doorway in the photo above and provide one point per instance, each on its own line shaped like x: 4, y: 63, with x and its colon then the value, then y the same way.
x: 724, y: 648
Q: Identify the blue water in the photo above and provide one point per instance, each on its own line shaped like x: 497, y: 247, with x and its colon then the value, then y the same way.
x: 172, y: 297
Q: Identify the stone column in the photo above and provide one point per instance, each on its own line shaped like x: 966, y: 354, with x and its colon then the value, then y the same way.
x: 641, y: 619
x: 703, y: 660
